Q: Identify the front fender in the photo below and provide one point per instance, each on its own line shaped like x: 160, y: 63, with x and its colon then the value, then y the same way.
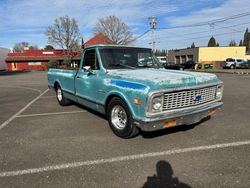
x: 128, y: 97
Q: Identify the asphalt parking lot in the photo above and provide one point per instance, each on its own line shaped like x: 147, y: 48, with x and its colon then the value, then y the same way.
x: 45, y: 145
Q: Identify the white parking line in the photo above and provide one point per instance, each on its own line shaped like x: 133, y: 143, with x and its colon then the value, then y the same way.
x: 22, y: 110
x: 120, y: 159
x: 48, y: 114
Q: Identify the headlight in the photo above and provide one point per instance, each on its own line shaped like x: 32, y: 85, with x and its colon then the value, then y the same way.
x: 219, y: 92
x: 157, y: 104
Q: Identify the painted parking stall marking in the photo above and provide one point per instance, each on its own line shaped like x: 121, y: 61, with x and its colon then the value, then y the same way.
x: 121, y: 158
x: 49, y: 114
x: 4, y: 124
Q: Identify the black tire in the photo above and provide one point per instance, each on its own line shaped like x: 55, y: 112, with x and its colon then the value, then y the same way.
x: 129, y: 130
x: 60, y: 97
x: 232, y: 67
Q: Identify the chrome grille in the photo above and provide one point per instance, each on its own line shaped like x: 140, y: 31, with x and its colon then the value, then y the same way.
x: 187, y: 98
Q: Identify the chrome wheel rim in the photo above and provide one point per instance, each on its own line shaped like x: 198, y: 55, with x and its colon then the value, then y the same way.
x: 59, y: 94
x: 119, y: 117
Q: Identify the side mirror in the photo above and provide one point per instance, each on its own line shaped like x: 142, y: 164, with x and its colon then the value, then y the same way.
x: 88, y: 69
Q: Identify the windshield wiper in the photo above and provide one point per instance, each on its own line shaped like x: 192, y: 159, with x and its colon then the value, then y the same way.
x: 124, y: 65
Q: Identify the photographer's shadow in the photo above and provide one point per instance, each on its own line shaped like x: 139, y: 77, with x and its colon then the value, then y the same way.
x: 164, y: 178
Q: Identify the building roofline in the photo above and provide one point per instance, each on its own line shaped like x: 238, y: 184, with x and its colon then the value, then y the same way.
x: 25, y: 58
x: 208, y: 47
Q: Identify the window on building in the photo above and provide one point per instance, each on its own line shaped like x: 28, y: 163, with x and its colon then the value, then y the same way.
x: 34, y: 63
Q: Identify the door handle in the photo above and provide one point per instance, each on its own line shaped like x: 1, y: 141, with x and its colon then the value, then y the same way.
x: 78, y: 76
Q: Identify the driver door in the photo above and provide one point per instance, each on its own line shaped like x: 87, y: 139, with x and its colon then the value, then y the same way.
x: 86, y: 80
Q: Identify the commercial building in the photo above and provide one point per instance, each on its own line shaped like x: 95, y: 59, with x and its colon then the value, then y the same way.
x: 35, y: 59
x: 38, y: 59
x: 207, y: 55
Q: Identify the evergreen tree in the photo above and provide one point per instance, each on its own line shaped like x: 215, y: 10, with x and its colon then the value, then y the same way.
x: 49, y: 47
x: 246, y: 39
x: 193, y: 45
x: 232, y: 43
x: 212, y: 42
x: 241, y: 43
x: 217, y: 44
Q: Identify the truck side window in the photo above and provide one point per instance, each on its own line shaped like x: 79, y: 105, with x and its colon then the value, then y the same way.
x: 90, y: 59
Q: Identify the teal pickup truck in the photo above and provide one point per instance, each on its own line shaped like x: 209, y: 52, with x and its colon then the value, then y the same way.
x: 134, y: 91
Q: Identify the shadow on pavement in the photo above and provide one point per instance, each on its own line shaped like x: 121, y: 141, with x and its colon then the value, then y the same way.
x: 172, y: 130
x: 147, y: 134
x: 10, y: 73
x: 164, y: 177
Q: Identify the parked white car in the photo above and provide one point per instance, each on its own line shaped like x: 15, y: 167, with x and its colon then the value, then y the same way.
x: 162, y: 59
x: 234, y: 63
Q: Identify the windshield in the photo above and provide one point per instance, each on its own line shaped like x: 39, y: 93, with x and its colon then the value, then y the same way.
x: 128, y: 58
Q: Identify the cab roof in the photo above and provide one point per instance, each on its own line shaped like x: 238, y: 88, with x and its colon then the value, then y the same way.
x: 113, y: 46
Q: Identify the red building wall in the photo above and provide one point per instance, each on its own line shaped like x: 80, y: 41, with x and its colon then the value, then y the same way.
x: 16, y: 66
x: 32, y: 59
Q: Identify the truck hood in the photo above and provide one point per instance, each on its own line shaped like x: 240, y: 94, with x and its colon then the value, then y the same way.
x: 155, y: 79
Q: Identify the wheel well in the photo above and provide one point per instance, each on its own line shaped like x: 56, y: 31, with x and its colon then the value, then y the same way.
x: 56, y: 84
x: 109, y: 99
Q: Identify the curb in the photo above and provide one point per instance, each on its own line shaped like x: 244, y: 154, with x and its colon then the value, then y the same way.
x: 235, y: 72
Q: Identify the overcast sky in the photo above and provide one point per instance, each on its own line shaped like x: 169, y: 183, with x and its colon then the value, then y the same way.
x: 26, y: 20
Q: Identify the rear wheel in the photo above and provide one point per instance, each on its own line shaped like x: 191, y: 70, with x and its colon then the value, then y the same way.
x: 120, y: 119
x: 60, y: 97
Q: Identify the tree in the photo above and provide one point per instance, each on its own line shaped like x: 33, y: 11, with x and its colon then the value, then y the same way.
x: 193, y: 45
x: 33, y: 47
x: 212, y: 42
x: 19, y: 47
x: 49, y: 47
x: 114, y: 29
x: 217, y: 44
x: 246, y: 39
x: 232, y: 43
x: 66, y: 35
x: 241, y: 43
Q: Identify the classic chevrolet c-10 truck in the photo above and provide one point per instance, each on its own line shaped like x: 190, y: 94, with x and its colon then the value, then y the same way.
x: 134, y: 91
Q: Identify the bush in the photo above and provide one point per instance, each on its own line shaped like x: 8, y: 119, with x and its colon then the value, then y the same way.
x: 52, y: 64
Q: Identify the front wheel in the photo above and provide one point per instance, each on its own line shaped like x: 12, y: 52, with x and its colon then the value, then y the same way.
x: 60, y: 97
x: 232, y: 67
x: 120, y: 119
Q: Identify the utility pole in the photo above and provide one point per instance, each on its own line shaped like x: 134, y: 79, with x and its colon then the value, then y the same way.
x: 153, y: 23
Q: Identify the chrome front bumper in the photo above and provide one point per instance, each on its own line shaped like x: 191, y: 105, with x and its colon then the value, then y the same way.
x: 183, y: 117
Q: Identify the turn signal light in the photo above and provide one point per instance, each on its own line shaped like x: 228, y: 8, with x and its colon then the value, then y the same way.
x: 137, y: 101
x: 170, y: 123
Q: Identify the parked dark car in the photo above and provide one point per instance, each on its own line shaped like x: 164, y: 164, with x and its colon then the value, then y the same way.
x: 189, y: 64
x: 245, y: 65
x: 173, y: 66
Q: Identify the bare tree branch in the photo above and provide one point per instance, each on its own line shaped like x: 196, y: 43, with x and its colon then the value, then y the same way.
x: 115, y: 29
x: 65, y: 34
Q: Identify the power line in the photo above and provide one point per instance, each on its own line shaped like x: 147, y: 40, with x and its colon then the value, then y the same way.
x: 141, y: 35
x: 199, y: 32
x: 206, y: 36
x: 206, y: 31
x: 210, y: 22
